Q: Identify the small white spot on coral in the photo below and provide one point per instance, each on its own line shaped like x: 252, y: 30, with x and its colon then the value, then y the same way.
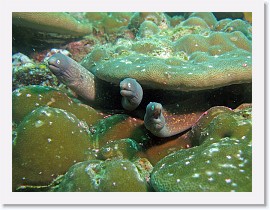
x: 49, y: 140
x: 187, y: 163
x: 39, y: 123
x: 209, y: 173
x: 18, y: 93
x: 177, y: 180
x: 234, y: 184
x: 28, y: 95
x: 228, y: 181
x: 226, y: 165
x: 210, y: 179
x: 229, y: 157
x: 196, y: 175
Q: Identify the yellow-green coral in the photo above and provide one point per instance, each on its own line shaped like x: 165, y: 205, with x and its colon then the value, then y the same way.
x: 55, y: 22
x: 221, y: 163
x: 201, y: 59
x: 116, y: 175
x: 28, y: 98
x: 47, y: 143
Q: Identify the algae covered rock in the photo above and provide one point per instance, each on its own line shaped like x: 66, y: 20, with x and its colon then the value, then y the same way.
x: 116, y: 175
x: 48, y: 142
x: 222, y: 162
x: 26, y: 72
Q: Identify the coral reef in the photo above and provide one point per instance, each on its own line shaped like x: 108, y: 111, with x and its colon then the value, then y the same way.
x: 195, y: 60
x: 222, y: 161
x: 116, y: 175
x: 29, y: 98
x: 118, y: 126
x: 48, y: 141
x: 193, y: 69
x: 123, y: 148
x: 55, y: 22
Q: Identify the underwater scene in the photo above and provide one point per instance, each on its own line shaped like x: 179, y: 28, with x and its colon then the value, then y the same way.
x: 132, y: 102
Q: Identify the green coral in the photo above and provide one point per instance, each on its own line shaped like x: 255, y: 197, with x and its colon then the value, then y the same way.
x: 148, y: 29
x: 115, y: 127
x: 54, y: 22
x: 202, y: 58
x: 48, y: 141
x: 122, y: 148
x: 222, y: 162
x: 116, y: 175
x: 28, y: 98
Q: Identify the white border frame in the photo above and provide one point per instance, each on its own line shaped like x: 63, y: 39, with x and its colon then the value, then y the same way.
x: 255, y: 197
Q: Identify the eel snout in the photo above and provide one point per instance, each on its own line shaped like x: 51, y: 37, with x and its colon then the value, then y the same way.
x: 156, y: 110
x: 54, y: 63
x: 132, y: 93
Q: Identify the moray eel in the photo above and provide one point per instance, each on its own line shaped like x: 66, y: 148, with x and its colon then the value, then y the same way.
x: 154, y: 120
x: 175, y: 118
x: 132, y: 93
x: 91, y: 88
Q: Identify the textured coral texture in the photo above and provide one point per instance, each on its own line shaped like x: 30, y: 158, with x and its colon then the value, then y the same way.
x: 196, y: 67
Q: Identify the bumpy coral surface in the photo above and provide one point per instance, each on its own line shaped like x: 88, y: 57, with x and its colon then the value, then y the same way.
x: 197, y: 59
x: 57, y: 22
x: 62, y: 144
x: 115, y: 175
x: 221, y: 162
x: 28, y: 98
x: 48, y: 142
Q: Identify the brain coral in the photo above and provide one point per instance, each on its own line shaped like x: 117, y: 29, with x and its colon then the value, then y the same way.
x: 193, y: 61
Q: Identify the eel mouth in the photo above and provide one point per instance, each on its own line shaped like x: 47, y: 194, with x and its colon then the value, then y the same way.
x: 157, y: 112
x: 126, y: 93
x: 53, y: 67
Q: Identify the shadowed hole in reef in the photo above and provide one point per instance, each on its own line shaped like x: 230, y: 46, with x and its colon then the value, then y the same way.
x: 226, y: 135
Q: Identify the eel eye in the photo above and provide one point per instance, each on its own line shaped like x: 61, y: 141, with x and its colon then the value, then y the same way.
x: 58, y: 62
x: 152, y: 107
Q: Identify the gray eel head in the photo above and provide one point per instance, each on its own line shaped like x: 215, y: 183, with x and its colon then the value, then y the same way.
x: 154, y: 119
x: 61, y: 66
